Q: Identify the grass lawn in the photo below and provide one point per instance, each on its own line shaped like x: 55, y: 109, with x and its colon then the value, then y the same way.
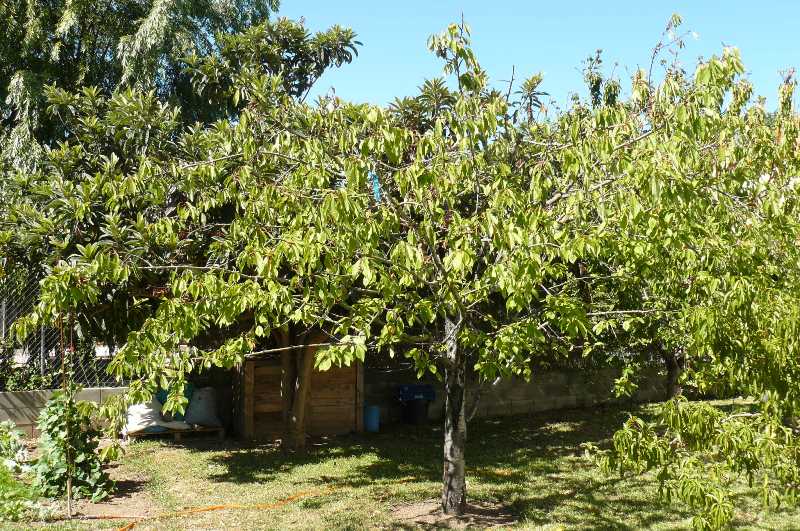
x: 531, y: 464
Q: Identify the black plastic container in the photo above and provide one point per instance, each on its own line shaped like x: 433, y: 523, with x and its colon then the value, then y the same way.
x: 414, y: 401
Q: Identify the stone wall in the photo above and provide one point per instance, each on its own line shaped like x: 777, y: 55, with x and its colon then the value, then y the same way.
x: 546, y: 391
x: 23, y: 407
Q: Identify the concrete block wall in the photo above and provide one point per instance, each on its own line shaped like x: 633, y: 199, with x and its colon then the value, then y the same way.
x: 23, y: 407
x: 547, y: 391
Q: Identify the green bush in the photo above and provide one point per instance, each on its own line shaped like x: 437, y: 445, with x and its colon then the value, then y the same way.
x: 19, y: 378
x: 26, y: 378
x: 13, y: 453
x: 66, y: 428
x: 18, y: 501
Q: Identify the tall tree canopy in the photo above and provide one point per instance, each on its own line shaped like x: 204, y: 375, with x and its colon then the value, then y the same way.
x: 457, y: 229
x: 142, y: 44
x: 195, y: 56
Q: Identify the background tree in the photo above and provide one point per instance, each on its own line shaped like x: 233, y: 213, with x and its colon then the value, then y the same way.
x: 143, y: 44
x: 168, y: 48
x: 191, y: 61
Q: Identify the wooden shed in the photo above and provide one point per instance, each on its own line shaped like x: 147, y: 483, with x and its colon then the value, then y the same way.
x: 335, y: 405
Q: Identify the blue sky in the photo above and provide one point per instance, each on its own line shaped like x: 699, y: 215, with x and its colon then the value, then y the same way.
x: 552, y: 36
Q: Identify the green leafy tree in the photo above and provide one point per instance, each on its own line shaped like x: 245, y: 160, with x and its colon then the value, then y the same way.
x: 451, y: 229
x: 235, y: 236
x: 196, y: 56
x: 722, y: 259
x: 706, y: 262
x: 145, y: 45
x: 135, y: 124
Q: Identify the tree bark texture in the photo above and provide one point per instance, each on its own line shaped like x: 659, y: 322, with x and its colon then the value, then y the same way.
x: 454, y: 487
x: 674, y: 363
x: 298, y: 371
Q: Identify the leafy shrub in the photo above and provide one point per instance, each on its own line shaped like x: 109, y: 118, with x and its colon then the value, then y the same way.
x: 18, y: 501
x: 13, y: 453
x: 26, y: 378
x: 8, y: 370
x: 67, y: 430
x: 19, y: 378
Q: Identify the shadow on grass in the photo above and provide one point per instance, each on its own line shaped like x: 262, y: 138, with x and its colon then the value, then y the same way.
x: 529, y: 464
x: 127, y: 487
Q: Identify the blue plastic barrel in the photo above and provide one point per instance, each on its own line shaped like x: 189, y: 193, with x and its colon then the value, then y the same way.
x: 372, y: 418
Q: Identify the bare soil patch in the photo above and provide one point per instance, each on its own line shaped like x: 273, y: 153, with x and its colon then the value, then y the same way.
x: 128, y: 500
x: 428, y: 514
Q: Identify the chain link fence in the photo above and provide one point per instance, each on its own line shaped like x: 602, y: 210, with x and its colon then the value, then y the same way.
x: 36, y: 362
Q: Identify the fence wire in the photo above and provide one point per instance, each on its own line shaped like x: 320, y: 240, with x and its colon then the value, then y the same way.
x: 36, y: 362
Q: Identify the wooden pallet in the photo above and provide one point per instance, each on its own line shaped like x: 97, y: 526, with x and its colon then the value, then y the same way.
x: 177, y: 435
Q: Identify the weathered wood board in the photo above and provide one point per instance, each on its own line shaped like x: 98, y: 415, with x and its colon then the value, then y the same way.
x: 335, y: 402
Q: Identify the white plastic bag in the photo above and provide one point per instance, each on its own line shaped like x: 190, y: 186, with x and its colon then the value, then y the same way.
x: 147, y: 418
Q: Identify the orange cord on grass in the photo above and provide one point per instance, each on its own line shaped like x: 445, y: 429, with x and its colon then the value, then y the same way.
x: 256, y: 507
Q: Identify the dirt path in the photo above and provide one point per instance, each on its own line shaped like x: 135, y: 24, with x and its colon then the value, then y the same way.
x: 428, y: 514
x: 129, y: 499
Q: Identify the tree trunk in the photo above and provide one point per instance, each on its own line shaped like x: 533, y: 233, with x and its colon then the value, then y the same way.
x: 578, y: 270
x: 674, y: 364
x: 454, y: 487
x: 288, y: 378
x: 296, y: 433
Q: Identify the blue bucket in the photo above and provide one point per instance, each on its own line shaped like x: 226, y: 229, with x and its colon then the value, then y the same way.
x: 372, y: 418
